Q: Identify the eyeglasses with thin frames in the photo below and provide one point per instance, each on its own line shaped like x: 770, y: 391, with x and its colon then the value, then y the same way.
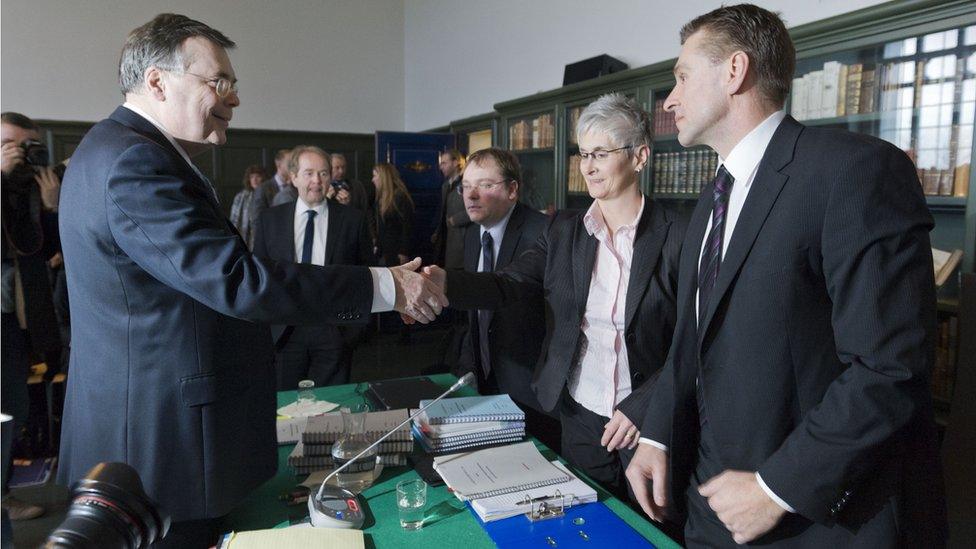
x: 482, y: 186
x: 601, y: 156
x: 222, y: 86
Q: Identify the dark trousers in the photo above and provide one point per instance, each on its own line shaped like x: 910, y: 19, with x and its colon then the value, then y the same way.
x: 15, y: 369
x: 316, y: 353
x: 191, y: 534
x: 581, y: 432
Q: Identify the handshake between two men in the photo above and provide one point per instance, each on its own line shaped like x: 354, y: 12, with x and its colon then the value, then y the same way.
x: 420, y: 295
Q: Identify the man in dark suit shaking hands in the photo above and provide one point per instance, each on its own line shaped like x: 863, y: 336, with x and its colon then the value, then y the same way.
x: 794, y: 409
x: 312, y: 230
x: 172, y: 367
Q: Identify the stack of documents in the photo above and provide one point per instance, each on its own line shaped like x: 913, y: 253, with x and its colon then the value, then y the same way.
x: 456, y: 424
x: 515, y: 468
x: 569, y: 494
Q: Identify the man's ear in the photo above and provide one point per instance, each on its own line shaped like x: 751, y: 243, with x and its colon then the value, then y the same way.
x: 155, y: 83
x: 738, y: 72
x: 513, y: 190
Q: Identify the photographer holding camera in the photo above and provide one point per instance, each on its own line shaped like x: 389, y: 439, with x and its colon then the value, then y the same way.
x: 30, y: 237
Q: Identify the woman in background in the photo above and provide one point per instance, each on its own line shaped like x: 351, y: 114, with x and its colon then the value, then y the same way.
x: 394, y: 216
x: 240, y: 210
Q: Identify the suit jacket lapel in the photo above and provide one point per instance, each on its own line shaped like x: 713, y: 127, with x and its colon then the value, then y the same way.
x: 472, y: 247
x: 129, y: 118
x: 762, y: 196
x: 332, y: 232
x: 584, y: 256
x: 652, y: 231
x: 510, y: 240
x: 287, y: 237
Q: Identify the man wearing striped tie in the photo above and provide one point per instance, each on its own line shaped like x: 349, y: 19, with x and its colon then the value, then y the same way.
x: 794, y: 409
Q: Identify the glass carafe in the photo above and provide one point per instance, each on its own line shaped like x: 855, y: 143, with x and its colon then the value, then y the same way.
x: 353, y: 440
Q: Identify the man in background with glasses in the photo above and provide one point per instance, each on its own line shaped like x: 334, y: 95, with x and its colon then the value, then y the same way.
x: 502, y: 347
x: 172, y: 369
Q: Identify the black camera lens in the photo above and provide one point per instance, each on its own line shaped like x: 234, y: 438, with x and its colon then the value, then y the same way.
x: 110, y: 509
x: 35, y: 153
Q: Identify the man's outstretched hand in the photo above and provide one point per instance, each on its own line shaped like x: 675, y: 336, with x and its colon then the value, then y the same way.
x: 416, y: 295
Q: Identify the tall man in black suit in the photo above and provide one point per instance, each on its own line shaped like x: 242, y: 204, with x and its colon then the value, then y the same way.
x: 502, y: 347
x: 794, y: 409
x: 311, y: 230
x: 172, y: 366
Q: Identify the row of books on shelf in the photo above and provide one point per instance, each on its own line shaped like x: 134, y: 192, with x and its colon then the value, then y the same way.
x: 683, y: 172
x: 858, y: 88
x: 944, y: 372
x: 535, y: 133
x: 945, y: 182
x: 663, y: 120
x: 575, y: 182
x: 573, y: 115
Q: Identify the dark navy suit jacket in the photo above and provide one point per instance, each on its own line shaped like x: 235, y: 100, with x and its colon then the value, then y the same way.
x: 171, y: 365
x: 347, y: 242
x: 816, y: 347
x: 516, y: 332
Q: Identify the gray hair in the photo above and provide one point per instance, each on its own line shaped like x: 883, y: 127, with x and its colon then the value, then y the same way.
x: 618, y: 116
x: 297, y: 152
x: 341, y: 156
x: 159, y: 43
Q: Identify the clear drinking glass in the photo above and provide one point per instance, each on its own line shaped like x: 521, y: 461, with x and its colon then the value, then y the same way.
x: 306, y: 394
x: 411, y: 501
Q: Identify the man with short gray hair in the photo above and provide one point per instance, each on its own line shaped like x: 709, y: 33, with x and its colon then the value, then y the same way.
x: 172, y: 371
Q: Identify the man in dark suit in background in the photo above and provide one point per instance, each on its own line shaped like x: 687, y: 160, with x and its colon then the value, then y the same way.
x: 452, y: 218
x: 347, y: 191
x: 502, y: 347
x: 280, y: 181
x: 311, y: 230
x: 794, y: 409
x: 172, y: 368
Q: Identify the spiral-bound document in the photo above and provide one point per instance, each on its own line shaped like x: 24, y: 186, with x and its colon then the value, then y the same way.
x: 496, y: 471
x: 475, y: 408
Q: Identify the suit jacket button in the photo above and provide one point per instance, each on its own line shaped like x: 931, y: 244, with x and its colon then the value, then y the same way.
x: 357, y: 316
x: 638, y: 376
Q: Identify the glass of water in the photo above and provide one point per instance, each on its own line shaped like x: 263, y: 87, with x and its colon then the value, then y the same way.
x: 411, y: 501
x: 306, y: 391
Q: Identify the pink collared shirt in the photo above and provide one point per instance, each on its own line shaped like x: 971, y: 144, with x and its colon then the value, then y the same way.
x: 600, y: 379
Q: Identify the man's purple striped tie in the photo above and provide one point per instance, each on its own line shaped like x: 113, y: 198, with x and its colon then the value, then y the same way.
x: 711, y: 257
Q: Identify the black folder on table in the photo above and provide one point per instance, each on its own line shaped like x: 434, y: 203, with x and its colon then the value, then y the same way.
x: 391, y: 394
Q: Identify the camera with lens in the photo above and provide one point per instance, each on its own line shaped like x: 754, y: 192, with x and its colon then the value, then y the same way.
x: 109, y: 509
x: 340, y: 185
x: 35, y: 153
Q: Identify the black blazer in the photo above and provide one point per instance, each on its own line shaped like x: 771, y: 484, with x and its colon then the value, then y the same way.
x: 346, y: 243
x: 393, y: 231
x: 171, y: 364
x: 517, y: 331
x: 817, y: 344
x: 561, y: 265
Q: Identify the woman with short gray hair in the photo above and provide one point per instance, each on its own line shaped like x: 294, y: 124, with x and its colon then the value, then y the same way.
x: 609, y: 275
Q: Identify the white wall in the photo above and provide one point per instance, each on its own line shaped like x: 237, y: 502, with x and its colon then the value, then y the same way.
x: 463, y: 56
x: 321, y: 65
x: 350, y: 66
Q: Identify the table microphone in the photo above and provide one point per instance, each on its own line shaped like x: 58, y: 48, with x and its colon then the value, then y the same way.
x: 333, y: 507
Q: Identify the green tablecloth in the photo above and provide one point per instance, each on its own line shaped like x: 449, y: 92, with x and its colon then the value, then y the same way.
x: 448, y: 523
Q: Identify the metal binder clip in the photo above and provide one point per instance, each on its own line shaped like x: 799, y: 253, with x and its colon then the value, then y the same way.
x: 547, y: 507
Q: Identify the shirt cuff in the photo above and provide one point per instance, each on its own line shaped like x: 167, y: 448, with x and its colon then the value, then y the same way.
x: 653, y: 443
x: 773, y: 496
x: 384, y: 291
